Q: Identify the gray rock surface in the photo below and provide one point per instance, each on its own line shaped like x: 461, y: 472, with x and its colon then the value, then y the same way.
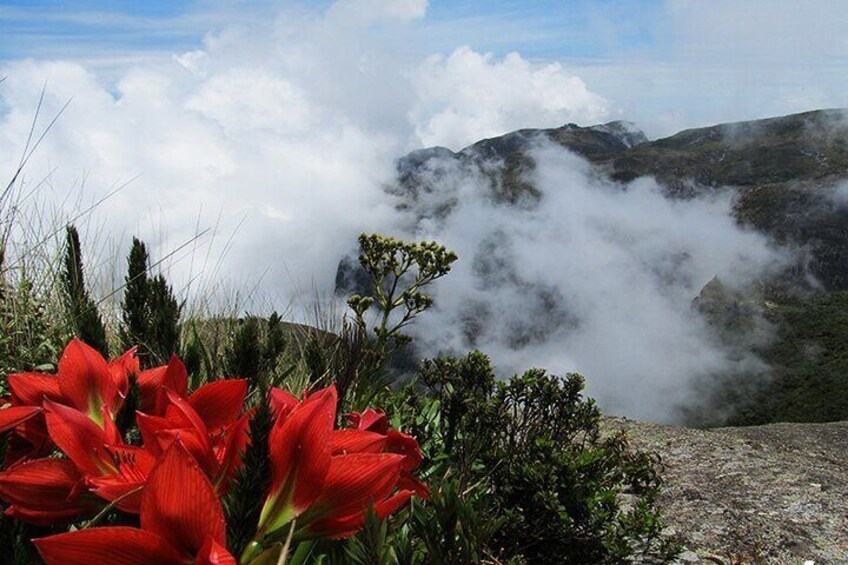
x: 761, y: 494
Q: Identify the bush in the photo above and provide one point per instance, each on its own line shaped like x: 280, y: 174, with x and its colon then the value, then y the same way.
x: 526, y: 458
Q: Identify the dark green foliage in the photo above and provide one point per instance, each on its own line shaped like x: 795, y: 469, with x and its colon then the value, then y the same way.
x: 251, y: 483
x: 163, y: 333
x: 28, y: 339
x: 315, y: 358
x: 527, y: 457
x: 245, y: 354
x: 275, y: 341
x: 82, y: 311
x: 809, y: 368
x: 399, y: 271
x: 134, y: 307
x: 355, y: 366
x: 150, y: 314
x: 372, y: 546
x: 194, y: 359
x: 462, y: 388
x: 125, y: 419
x: 456, y: 526
x: 15, y: 541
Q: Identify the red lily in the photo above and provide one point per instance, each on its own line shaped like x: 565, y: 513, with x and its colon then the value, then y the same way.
x: 326, y: 479
x: 49, y: 490
x: 207, y: 423
x: 114, y: 471
x: 153, y: 382
x: 375, y: 422
x: 85, y: 381
x: 13, y: 416
x: 182, y: 521
x: 300, y: 451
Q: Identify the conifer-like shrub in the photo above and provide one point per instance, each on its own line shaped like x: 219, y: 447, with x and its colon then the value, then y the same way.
x: 83, y: 316
x: 150, y: 314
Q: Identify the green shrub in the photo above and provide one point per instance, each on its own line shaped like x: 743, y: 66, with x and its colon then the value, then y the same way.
x: 150, y: 314
x: 528, y: 456
x: 82, y: 312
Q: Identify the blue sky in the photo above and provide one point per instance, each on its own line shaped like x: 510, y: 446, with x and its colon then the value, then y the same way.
x: 546, y: 29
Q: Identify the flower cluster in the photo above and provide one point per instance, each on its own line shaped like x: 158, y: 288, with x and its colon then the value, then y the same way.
x: 67, y: 459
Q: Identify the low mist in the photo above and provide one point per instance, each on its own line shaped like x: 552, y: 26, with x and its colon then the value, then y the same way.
x: 594, y: 277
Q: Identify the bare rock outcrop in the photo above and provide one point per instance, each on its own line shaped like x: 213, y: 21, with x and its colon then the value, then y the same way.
x: 761, y: 494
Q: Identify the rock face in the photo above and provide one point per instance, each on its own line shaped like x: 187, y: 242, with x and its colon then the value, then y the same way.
x: 771, y: 494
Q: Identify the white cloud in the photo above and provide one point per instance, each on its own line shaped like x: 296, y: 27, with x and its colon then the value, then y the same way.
x: 290, y: 125
x: 468, y: 96
x: 596, y: 278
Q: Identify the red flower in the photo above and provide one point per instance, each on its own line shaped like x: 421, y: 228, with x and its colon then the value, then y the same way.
x: 153, y: 382
x: 182, y: 521
x: 328, y: 479
x: 300, y: 451
x: 85, y: 382
x: 207, y: 423
x: 371, y: 420
x: 375, y: 423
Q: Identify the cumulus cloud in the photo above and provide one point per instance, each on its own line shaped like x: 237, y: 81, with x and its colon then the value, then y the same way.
x: 467, y: 96
x: 287, y: 128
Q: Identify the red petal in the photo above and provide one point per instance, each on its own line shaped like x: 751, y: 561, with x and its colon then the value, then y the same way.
x: 150, y: 382
x: 114, y: 545
x: 219, y: 403
x: 176, y: 376
x: 213, y: 553
x: 371, y: 420
x: 356, y: 481
x: 42, y: 484
x: 282, y: 403
x: 134, y: 467
x: 235, y: 443
x: 80, y: 438
x: 16, y: 415
x: 408, y: 482
x: 111, y: 433
x: 347, y: 526
x: 84, y: 379
x: 196, y: 444
x: 46, y: 517
x: 357, y: 441
x: 121, y: 368
x: 180, y: 504
x: 300, y: 455
x: 406, y: 445
x: 149, y: 426
x: 29, y: 440
x: 31, y: 389
x: 180, y: 411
